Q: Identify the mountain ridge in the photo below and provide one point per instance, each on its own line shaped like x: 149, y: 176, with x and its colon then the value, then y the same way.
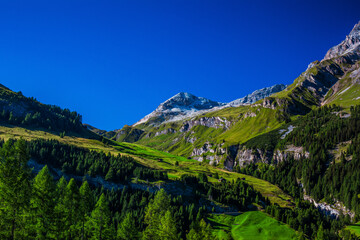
x: 186, y: 105
x: 182, y: 104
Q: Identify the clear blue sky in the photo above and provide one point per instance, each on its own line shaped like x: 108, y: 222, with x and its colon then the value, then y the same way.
x: 115, y: 61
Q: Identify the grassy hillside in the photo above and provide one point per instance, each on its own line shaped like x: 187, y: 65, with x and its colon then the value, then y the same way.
x: 354, y: 228
x: 154, y: 159
x: 247, y: 122
x: 250, y: 225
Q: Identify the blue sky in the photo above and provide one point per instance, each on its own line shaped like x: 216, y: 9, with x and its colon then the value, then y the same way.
x: 115, y: 61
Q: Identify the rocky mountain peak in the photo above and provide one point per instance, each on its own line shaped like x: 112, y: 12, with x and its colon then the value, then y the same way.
x: 257, y: 95
x: 350, y: 44
x: 181, y: 105
x: 188, y: 101
x: 356, y: 30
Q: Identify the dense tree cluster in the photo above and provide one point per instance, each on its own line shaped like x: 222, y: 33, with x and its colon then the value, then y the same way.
x: 50, y: 117
x: 53, y: 118
x: 319, y: 175
x: 236, y: 193
x: 40, y: 208
x: 80, y: 161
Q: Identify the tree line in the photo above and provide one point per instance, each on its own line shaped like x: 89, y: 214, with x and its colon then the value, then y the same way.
x: 37, y: 207
x: 81, y: 161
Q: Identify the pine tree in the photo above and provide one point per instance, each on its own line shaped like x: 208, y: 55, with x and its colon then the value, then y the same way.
x: 43, y: 204
x: 201, y: 230
x: 60, y: 209
x: 15, y: 186
x: 72, y: 210
x: 86, y: 206
x: 110, y: 175
x: 168, y: 229
x: 127, y: 229
x: 100, y: 220
x: 155, y: 210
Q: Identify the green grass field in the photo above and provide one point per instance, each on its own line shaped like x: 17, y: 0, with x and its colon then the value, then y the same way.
x: 250, y: 225
x: 354, y: 228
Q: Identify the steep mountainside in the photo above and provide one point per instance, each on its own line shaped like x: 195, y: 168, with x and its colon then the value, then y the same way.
x: 335, y: 79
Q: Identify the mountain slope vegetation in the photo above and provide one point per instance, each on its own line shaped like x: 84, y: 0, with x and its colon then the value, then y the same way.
x: 285, y: 166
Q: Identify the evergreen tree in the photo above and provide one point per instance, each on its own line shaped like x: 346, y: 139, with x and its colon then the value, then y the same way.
x: 127, y: 229
x: 201, y: 230
x: 43, y: 204
x: 86, y: 206
x: 100, y: 220
x: 60, y: 209
x: 155, y: 216
x: 15, y: 188
x: 168, y: 229
x: 72, y: 208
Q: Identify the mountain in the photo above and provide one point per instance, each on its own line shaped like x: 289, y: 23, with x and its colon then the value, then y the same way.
x: 186, y: 105
x: 257, y: 95
x: 351, y: 45
x: 180, y: 106
x: 216, y: 134
x: 334, y: 79
x: 104, y: 133
x: 18, y: 110
x: 291, y: 157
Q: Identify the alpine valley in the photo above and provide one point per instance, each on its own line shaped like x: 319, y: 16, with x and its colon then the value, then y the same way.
x: 282, y: 162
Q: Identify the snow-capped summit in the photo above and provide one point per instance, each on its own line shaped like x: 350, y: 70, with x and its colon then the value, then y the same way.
x: 351, y: 44
x: 180, y: 106
x: 257, y: 95
x: 185, y: 105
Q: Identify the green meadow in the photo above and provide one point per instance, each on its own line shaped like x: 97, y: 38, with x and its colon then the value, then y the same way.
x: 250, y: 225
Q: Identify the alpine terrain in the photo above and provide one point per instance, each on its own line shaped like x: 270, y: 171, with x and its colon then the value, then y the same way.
x: 280, y: 163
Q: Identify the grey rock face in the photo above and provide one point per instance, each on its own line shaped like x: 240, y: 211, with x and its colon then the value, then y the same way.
x: 330, y: 210
x: 350, y: 44
x: 213, y: 122
x: 258, y: 95
x: 17, y: 109
x: 165, y: 131
x: 180, y: 106
x: 207, y: 147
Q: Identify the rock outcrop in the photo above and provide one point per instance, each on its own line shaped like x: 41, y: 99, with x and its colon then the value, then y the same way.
x: 257, y: 95
x: 213, y: 122
x: 332, y: 210
x: 351, y: 44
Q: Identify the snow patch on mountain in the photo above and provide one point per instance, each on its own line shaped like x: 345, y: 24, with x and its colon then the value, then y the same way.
x: 185, y: 105
x: 257, y: 95
x: 180, y: 106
